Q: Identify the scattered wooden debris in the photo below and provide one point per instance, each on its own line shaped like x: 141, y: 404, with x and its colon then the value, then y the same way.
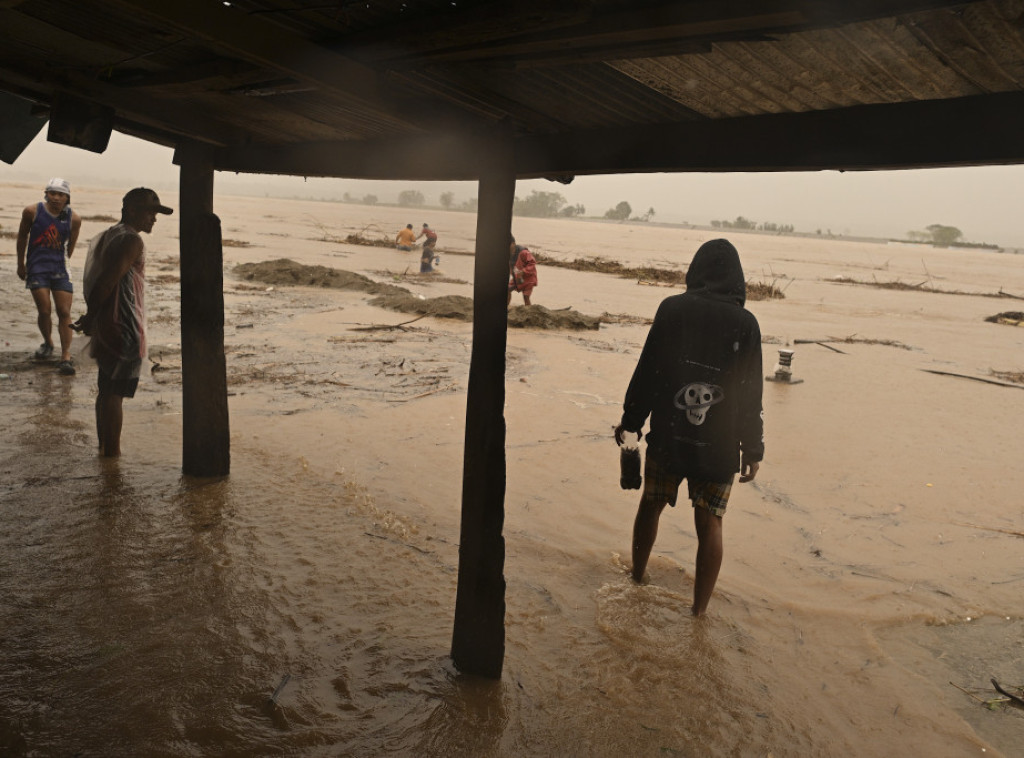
x: 422, y: 394
x: 974, y: 378
x: 379, y: 327
x: 1011, y: 532
x: 359, y: 239
x: 416, y: 277
x: 280, y: 688
x: 360, y: 340
x: 974, y: 696
x: 764, y: 291
x: 650, y: 276
x: 853, y: 339
x: 599, y: 265
x: 1009, y: 318
x: 1017, y: 377
x: 1003, y: 692
x: 993, y: 703
x: 822, y: 343
x: 922, y: 286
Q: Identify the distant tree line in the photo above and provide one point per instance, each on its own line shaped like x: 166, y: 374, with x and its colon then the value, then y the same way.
x: 415, y: 198
x: 545, y: 205
x: 536, y: 205
x: 937, y: 234
x: 743, y: 223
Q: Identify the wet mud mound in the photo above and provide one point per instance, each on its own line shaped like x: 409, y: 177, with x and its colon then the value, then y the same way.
x: 539, y: 317
x: 460, y: 307
x: 605, y: 266
x: 450, y: 306
x: 287, y: 272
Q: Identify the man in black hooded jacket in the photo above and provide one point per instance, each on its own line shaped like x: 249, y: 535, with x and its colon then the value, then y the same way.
x: 699, y: 379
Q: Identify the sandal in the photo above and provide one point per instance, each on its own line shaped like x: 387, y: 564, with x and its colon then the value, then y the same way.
x: 67, y: 368
x: 44, y: 351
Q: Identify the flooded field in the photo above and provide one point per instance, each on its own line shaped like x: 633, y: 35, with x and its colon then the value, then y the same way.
x: 303, y: 605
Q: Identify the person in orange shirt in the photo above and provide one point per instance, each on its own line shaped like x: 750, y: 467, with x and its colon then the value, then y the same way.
x: 405, y: 239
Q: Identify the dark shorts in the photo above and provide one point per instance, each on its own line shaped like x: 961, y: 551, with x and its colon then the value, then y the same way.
x: 119, y: 378
x: 58, y: 281
x: 662, y: 485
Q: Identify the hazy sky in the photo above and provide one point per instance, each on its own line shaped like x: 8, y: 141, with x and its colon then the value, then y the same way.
x: 983, y: 202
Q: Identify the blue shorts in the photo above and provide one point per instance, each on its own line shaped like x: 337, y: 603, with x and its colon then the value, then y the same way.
x: 662, y: 485
x: 59, y: 281
x: 119, y: 378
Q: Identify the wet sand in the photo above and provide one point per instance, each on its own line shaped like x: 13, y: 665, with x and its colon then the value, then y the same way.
x: 875, y: 560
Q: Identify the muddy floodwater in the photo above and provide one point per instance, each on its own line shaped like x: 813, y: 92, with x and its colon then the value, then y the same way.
x: 873, y: 582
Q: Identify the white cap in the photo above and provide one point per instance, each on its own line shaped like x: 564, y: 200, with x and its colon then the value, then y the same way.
x: 58, y: 185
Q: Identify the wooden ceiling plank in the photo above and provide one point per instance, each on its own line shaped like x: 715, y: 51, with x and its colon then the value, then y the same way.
x: 205, y: 71
x: 657, y: 30
x: 230, y: 31
x: 136, y: 107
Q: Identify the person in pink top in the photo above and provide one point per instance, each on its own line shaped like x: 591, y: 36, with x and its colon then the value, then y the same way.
x: 522, y: 271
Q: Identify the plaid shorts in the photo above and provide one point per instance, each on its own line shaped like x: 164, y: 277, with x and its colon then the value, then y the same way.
x: 662, y: 485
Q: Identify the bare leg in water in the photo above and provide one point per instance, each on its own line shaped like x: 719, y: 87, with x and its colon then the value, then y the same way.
x: 709, y: 548
x: 645, y: 531
x: 709, y: 557
x: 109, y: 419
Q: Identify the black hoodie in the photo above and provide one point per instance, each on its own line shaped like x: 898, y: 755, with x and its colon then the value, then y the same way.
x: 699, y: 376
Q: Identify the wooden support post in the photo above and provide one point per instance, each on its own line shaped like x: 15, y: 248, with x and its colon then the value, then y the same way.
x: 205, y: 438
x: 478, y: 640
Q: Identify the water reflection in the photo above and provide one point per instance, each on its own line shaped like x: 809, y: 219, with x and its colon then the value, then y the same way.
x: 469, y: 719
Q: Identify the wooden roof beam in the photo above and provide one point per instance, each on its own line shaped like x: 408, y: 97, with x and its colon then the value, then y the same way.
x: 976, y: 130
x: 983, y: 130
x: 426, y: 158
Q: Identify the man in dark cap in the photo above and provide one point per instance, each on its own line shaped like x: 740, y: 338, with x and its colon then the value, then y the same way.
x: 699, y: 379
x: 114, y: 285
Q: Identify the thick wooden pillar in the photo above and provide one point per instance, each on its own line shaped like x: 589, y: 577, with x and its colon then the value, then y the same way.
x: 478, y: 640
x: 205, y: 440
